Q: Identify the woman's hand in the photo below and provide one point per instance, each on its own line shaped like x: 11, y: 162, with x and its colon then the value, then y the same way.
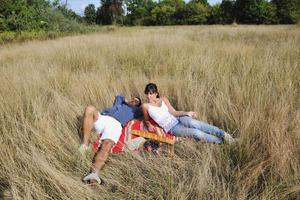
x: 159, y: 131
x: 191, y: 114
x: 151, y: 128
x: 155, y: 129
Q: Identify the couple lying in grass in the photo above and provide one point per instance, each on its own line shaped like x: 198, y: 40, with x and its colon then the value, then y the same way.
x: 111, y: 120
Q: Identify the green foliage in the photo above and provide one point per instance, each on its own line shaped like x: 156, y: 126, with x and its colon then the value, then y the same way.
x: 139, y: 12
x: 204, y: 2
x: 267, y: 13
x: 68, y: 13
x: 20, y: 15
x: 288, y: 11
x: 90, y: 14
x: 110, y: 12
x: 172, y: 12
x: 227, y: 11
x: 173, y: 3
x: 3, y: 24
x: 163, y: 15
x: 255, y: 12
x: 44, y: 15
x: 38, y: 19
x: 197, y: 13
x: 168, y: 12
x: 215, y: 15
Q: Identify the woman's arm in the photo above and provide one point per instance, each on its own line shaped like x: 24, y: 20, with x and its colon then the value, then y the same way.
x: 150, y: 127
x: 175, y: 112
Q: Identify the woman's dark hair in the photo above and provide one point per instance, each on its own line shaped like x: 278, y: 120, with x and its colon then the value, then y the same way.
x: 151, y: 88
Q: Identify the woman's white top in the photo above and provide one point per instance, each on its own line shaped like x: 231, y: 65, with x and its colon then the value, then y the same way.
x: 162, y: 116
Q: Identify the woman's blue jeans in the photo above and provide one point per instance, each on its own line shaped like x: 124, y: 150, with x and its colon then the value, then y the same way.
x: 189, y: 127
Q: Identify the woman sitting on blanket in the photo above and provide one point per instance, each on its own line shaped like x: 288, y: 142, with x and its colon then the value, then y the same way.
x: 179, y: 123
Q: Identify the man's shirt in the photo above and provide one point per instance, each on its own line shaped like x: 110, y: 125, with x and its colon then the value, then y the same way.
x: 122, y: 112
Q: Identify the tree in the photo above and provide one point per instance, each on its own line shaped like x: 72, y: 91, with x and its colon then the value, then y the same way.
x: 215, y: 15
x: 167, y: 12
x: 254, y: 11
x: 196, y: 13
x: 227, y: 11
x: 267, y: 13
x: 163, y: 15
x: 173, y: 3
x: 68, y: 13
x: 139, y: 11
x: 110, y: 12
x: 90, y: 14
x: 203, y: 2
x: 13, y: 15
x: 20, y: 15
x: 288, y: 11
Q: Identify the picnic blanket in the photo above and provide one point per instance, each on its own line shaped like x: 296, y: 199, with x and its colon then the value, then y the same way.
x: 133, y: 134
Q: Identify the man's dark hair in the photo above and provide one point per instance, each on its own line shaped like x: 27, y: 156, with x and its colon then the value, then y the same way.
x: 140, y: 101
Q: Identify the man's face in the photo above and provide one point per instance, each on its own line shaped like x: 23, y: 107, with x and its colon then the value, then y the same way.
x: 134, y: 102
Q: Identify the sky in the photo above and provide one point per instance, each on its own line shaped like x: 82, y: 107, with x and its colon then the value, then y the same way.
x: 79, y: 5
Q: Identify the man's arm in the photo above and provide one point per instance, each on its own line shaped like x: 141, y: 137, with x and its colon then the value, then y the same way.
x: 119, y: 99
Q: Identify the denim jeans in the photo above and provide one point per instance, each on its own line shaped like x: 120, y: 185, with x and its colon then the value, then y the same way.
x: 189, y: 127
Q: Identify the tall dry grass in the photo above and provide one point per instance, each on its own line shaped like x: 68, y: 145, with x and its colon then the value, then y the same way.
x: 245, y: 79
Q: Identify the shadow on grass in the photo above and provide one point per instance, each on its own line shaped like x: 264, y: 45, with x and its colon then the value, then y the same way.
x: 4, y: 189
x: 79, y: 122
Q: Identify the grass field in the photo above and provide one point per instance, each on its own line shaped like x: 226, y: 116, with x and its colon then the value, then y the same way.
x: 244, y: 79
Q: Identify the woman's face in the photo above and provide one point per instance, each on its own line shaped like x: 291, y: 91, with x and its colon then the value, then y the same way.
x: 151, y: 96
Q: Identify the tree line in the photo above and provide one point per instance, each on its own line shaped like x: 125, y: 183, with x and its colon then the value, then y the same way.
x: 28, y: 15
x: 178, y: 12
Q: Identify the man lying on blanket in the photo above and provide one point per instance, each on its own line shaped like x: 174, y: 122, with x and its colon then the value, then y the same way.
x: 112, y: 138
x: 109, y: 123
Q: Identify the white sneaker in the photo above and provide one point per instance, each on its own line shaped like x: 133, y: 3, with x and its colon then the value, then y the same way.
x: 229, y: 139
x: 92, y: 178
x: 83, y: 148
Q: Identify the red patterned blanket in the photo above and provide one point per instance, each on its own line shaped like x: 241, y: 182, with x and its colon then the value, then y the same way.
x: 133, y: 134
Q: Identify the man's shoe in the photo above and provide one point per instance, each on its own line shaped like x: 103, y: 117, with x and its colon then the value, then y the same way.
x: 92, y: 179
x: 83, y: 148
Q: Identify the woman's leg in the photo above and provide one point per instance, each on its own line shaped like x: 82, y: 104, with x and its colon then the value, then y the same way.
x: 182, y: 131
x: 202, y: 126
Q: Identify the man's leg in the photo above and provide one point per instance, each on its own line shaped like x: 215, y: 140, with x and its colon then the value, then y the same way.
x: 103, y: 154
x: 110, y: 135
x: 99, y: 163
x: 90, y: 117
